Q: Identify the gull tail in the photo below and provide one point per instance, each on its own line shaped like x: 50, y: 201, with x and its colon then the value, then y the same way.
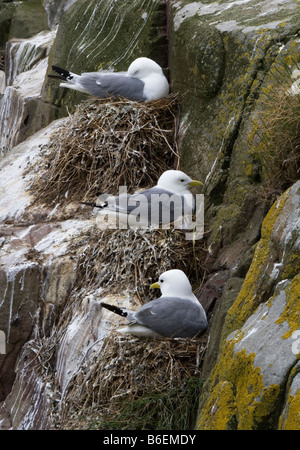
x: 64, y: 74
x: 115, y: 309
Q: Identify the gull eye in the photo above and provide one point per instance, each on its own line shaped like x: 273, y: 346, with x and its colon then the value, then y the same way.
x: 182, y: 181
x: 161, y: 281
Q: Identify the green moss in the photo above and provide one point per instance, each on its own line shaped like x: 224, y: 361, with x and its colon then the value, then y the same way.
x: 248, y: 170
x: 215, y: 117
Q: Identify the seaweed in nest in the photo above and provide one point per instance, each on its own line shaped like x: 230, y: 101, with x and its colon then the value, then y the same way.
x: 137, y: 384
x: 134, y: 258
x: 107, y: 144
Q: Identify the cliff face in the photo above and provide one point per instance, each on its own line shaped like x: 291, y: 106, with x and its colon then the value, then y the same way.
x: 233, y: 64
x: 237, y: 61
x: 257, y: 371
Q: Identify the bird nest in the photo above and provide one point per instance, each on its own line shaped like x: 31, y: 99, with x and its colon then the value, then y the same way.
x: 109, y: 143
x: 137, y: 384
x: 133, y: 259
x: 123, y: 382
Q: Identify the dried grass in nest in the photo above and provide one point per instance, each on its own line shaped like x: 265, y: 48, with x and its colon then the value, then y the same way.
x: 136, y: 384
x: 109, y: 143
x: 134, y: 258
x: 127, y: 383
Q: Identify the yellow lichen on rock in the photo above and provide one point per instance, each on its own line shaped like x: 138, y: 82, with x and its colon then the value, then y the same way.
x: 290, y: 417
x: 239, y: 400
x: 291, y: 312
x: 220, y: 409
x: 293, y: 418
x: 250, y: 294
x: 246, y: 386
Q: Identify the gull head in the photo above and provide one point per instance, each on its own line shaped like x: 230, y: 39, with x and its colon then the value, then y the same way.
x: 143, y: 67
x: 176, y: 181
x: 174, y: 283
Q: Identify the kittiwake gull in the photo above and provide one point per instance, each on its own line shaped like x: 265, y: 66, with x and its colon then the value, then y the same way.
x: 177, y: 313
x: 167, y: 202
x: 143, y: 81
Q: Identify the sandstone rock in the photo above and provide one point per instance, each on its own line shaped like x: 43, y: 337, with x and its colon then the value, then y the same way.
x: 20, y: 275
x: 2, y: 82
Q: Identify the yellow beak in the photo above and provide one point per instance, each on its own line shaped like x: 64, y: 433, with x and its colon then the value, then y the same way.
x: 195, y: 183
x: 154, y: 285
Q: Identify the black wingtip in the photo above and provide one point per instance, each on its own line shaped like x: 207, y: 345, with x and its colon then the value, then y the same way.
x: 114, y: 309
x: 94, y: 205
x: 65, y: 74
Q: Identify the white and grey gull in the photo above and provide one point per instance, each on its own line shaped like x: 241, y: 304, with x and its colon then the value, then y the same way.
x: 176, y: 314
x: 169, y: 201
x: 144, y: 81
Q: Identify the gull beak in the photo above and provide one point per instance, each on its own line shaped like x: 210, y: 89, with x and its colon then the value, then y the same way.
x: 155, y: 285
x: 195, y: 183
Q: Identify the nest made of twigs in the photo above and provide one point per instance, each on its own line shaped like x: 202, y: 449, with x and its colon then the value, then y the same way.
x: 136, y: 384
x: 134, y: 258
x: 109, y: 143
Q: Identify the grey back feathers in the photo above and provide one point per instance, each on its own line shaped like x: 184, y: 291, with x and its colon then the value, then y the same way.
x: 104, y: 85
x: 143, y: 81
x: 172, y: 317
x: 178, y: 314
x: 162, y: 204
